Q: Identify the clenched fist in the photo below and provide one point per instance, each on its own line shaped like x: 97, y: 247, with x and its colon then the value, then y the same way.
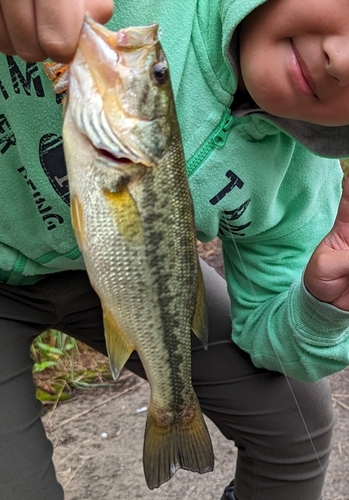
x: 327, y: 273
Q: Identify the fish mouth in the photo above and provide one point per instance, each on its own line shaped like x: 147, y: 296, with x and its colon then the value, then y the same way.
x: 111, y: 129
x: 111, y: 157
x: 130, y: 38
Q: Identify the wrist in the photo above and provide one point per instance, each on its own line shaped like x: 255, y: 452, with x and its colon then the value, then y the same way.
x: 321, y: 322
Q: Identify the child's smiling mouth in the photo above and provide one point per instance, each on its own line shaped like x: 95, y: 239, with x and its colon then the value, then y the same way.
x: 301, y: 73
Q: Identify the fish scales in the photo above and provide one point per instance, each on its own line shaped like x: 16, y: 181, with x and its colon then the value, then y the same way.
x: 133, y: 217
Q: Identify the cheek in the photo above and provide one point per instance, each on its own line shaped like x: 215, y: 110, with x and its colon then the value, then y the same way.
x: 260, y: 60
x: 252, y: 70
x: 265, y: 85
x: 266, y: 74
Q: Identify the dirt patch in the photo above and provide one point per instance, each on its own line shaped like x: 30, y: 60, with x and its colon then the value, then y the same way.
x: 98, y: 439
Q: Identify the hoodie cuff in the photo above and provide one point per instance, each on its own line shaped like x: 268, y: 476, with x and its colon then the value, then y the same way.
x: 319, y: 323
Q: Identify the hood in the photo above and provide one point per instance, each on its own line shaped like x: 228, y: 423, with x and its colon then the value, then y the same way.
x: 323, y: 140
x: 232, y: 13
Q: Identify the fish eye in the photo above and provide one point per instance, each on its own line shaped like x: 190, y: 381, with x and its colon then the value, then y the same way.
x: 160, y: 73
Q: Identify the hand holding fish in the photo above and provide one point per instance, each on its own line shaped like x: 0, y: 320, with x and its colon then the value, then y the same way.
x: 36, y: 29
x: 327, y: 274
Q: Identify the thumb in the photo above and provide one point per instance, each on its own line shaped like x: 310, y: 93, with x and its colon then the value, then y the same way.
x: 342, y: 219
x: 327, y: 273
x: 338, y: 237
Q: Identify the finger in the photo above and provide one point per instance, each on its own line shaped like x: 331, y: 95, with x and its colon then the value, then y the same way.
x: 58, y: 25
x: 20, y: 21
x: 100, y: 10
x: 6, y: 45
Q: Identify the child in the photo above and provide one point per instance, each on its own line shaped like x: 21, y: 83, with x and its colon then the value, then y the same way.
x: 262, y: 91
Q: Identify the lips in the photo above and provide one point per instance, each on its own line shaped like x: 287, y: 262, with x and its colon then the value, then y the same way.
x: 302, y: 74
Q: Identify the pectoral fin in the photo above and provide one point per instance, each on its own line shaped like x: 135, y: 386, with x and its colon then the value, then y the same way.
x: 118, y: 347
x: 200, y: 321
x: 125, y: 213
x: 77, y: 221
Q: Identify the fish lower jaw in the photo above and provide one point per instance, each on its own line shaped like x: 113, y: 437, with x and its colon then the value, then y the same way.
x: 120, y: 160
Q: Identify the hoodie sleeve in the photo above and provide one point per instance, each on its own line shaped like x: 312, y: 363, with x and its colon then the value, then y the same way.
x: 297, y: 335
x: 281, y: 325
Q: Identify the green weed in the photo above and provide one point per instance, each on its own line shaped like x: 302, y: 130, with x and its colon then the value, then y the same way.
x: 62, y: 364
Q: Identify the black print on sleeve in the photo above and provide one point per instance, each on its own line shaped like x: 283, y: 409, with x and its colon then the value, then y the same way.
x: 7, y: 137
x: 51, y: 219
x: 21, y: 81
x: 53, y: 163
x: 3, y: 91
x: 235, y: 181
x: 227, y: 223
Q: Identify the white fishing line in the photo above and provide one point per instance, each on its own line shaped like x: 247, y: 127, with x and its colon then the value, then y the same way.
x: 278, y: 357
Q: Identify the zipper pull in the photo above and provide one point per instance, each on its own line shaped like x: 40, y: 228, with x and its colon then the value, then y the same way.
x: 220, y: 137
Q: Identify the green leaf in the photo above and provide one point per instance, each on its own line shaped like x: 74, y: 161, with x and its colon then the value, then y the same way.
x: 40, y: 367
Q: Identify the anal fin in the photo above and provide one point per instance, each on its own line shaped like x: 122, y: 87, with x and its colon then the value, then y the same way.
x: 118, y: 347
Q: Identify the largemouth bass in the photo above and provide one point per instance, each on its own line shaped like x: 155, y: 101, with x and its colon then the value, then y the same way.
x: 133, y: 217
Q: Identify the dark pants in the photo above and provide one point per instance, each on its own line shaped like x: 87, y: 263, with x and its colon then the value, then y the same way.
x: 282, y: 428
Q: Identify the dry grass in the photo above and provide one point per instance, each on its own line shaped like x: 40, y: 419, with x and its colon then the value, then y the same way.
x: 345, y: 168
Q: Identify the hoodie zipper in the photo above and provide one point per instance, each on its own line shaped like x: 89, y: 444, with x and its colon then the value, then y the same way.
x: 217, y: 139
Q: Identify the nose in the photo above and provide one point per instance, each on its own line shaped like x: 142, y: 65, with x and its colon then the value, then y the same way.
x: 336, y: 51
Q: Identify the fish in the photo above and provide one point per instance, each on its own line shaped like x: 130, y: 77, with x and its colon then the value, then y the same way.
x: 133, y: 217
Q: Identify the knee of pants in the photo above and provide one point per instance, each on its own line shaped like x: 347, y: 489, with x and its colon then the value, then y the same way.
x: 26, y: 467
x: 284, y: 442
x: 279, y: 422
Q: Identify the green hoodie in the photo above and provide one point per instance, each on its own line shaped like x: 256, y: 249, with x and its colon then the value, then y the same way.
x: 255, y: 180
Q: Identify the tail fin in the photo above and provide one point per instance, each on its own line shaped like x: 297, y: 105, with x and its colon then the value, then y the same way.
x: 180, y: 444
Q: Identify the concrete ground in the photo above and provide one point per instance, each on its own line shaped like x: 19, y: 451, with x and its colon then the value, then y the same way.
x: 98, y: 439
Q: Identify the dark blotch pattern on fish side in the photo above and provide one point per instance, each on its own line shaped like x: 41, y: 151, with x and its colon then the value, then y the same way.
x: 170, y: 323
x: 159, y: 219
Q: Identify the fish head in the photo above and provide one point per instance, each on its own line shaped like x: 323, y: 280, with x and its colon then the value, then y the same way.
x: 120, y: 95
